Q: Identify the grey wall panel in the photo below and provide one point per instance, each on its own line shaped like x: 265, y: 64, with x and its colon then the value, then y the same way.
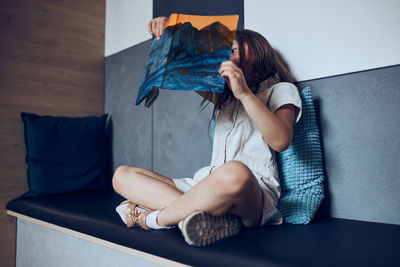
x: 361, y: 136
x: 131, y: 125
x: 204, y: 7
x: 38, y: 245
x: 182, y: 144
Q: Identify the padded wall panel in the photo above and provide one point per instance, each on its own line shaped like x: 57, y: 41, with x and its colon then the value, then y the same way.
x: 131, y: 124
x: 360, y: 129
x: 182, y: 144
x: 204, y: 7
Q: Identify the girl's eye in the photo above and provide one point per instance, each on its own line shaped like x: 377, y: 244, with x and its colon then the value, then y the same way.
x: 233, y: 50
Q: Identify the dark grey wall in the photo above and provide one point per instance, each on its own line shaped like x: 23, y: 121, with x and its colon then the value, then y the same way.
x: 181, y: 141
x: 171, y: 137
x: 361, y: 137
x: 203, y: 7
x: 131, y: 125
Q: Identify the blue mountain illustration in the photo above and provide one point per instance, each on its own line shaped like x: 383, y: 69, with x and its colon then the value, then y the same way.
x: 186, y: 58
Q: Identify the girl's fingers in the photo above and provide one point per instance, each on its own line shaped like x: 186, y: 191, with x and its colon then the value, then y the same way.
x: 153, y: 28
x: 226, y: 78
x: 228, y: 65
x: 157, y: 29
x: 226, y: 74
x: 149, y: 27
x: 160, y: 28
x: 224, y: 67
x: 229, y: 68
x: 156, y: 26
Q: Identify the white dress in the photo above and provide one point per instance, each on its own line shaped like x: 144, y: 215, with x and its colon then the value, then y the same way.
x: 237, y: 138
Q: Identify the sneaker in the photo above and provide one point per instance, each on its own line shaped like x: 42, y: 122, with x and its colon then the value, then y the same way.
x: 201, y: 228
x: 133, y: 215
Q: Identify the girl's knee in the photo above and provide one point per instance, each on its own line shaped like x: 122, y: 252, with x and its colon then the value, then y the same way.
x: 120, y: 175
x: 233, y: 178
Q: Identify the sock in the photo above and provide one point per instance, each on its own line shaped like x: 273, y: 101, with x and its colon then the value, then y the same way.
x: 180, y: 225
x: 151, y: 221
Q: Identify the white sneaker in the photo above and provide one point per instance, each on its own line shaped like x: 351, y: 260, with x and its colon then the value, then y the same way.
x: 132, y: 214
x: 201, y: 228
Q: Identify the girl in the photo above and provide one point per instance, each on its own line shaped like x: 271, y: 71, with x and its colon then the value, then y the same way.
x: 254, y: 117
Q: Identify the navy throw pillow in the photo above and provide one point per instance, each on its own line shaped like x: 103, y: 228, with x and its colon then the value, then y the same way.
x: 66, y: 154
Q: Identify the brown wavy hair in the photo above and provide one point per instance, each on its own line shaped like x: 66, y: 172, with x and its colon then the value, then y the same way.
x: 261, y: 62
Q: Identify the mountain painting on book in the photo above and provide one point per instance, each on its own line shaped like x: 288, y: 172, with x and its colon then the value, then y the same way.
x: 188, y: 55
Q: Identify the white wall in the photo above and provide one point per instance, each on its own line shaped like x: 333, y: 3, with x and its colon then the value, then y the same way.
x: 320, y: 38
x: 126, y: 24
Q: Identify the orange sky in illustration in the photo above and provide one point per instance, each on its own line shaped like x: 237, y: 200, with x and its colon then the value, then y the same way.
x: 200, y: 22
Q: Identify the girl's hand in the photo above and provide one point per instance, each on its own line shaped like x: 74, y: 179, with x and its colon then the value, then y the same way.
x: 156, y: 26
x: 235, y: 79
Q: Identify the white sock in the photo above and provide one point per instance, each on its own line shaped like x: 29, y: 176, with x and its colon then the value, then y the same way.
x: 151, y: 221
x: 180, y: 225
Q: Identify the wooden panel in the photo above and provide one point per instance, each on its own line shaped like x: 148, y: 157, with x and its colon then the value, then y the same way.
x: 51, y: 63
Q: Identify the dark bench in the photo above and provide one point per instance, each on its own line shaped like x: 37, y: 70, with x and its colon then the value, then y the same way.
x: 325, y: 242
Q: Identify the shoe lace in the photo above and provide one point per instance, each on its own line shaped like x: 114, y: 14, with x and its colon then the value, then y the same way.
x: 135, y: 214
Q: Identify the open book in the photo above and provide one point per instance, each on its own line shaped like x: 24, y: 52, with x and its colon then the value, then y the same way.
x: 188, y: 55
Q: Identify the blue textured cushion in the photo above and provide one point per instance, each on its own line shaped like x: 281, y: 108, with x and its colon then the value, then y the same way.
x: 66, y: 154
x: 301, y: 168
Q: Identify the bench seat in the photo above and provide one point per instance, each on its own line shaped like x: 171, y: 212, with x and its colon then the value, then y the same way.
x: 326, y: 241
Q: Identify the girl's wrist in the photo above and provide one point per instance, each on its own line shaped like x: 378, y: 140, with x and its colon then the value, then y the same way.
x: 247, y: 98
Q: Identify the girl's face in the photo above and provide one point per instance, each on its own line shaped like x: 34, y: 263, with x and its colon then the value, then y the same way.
x: 235, y: 57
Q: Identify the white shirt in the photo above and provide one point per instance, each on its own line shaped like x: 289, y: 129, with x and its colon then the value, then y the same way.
x: 237, y: 138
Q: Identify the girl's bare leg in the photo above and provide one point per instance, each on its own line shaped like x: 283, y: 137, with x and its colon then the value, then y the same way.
x: 144, y: 187
x: 231, y: 188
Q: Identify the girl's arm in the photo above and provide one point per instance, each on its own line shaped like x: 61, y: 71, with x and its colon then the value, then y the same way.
x: 276, y: 128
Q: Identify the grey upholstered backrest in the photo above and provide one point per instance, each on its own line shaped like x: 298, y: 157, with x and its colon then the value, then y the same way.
x: 359, y: 124
x: 171, y: 137
x: 360, y: 128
